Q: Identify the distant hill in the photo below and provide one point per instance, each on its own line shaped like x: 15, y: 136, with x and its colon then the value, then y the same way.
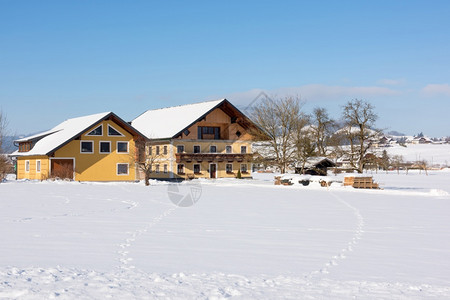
x: 8, y: 144
x: 396, y: 133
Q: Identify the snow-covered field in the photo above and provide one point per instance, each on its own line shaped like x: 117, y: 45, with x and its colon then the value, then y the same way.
x: 242, y: 239
x: 432, y: 153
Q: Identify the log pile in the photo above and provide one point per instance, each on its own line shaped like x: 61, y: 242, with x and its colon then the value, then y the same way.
x: 361, y: 182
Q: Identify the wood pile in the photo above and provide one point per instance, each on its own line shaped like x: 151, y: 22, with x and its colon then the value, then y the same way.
x: 361, y: 182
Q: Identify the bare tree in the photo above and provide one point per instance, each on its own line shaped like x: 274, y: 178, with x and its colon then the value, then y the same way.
x: 278, y: 120
x: 5, y: 166
x: 322, y: 126
x: 423, y: 165
x: 146, y: 158
x: 397, y: 162
x: 304, y: 141
x: 359, y: 117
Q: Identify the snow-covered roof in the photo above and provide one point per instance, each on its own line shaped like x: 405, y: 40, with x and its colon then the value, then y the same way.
x: 60, y: 134
x: 313, y: 161
x: 167, y: 122
x: 36, y: 136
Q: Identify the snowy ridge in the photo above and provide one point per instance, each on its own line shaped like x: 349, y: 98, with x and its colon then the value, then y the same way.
x: 65, y: 283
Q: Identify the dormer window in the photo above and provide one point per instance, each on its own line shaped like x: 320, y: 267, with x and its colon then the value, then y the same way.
x: 113, y: 132
x: 24, y: 147
x: 97, y: 131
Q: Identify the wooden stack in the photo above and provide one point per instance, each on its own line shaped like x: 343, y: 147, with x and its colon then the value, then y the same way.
x: 361, y: 182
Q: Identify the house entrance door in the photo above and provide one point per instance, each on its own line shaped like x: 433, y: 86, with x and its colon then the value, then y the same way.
x: 212, y: 170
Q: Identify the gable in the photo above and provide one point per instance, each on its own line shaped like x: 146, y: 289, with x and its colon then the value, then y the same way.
x: 108, y: 128
x: 217, y: 124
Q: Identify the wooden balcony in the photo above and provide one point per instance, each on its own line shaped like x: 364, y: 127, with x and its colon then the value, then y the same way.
x: 213, y: 157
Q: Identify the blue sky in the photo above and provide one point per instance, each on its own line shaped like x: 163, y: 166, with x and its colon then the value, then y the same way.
x: 62, y: 59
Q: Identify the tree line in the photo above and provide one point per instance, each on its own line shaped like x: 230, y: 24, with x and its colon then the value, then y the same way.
x: 291, y: 136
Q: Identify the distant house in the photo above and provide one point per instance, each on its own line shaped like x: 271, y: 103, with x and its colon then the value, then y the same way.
x: 421, y: 140
x: 383, y: 141
x: 210, y: 139
x: 99, y: 147
x: 315, y: 166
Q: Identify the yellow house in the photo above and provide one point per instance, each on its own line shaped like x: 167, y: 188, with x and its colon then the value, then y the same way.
x: 203, y: 140
x: 99, y: 147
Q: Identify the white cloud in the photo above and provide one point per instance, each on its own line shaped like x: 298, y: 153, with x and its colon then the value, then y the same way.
x: 317, y: 92
x: 436, y: 90
x: 392, y: 82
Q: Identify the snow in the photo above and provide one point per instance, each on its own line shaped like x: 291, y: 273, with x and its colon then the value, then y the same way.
x: 60, y: 134
x: 244, y: 239
x: 434, y: 154
x: 154, y: 123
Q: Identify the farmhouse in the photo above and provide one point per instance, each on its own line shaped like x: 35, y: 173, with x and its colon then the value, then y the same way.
x: 99, y: 147
x: 203, y: 140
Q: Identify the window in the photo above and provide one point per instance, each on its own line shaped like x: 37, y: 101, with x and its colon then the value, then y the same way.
x: 244, y: 168
x: 208, y: 133
x: 122, y: 169
x: 150, y: 150
x: 157, y: 168
x: 238, y: 133
x: 196, y: 149
x: 197, y: 168
x: 180, y: 169
x: 38, y: 166
x: 122, y: 147
x: 157, y: 150
x: 165, y: 150
x: 27, y: 166
x: 186, y: 132
x: 243, y: 149
x: 180, y: 148
x: 228, y: 149
x: 97, y: 131
x: 165, y: 169
x: 87, y: 146
x: 212, y: 149
x: 229, y: 168
x: 113, y: 132
x: 105, y: 147
x: 25, y: 147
